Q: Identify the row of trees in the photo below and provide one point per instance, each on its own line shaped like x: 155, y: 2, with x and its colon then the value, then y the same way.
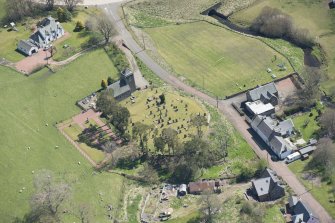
x: 17, y: 10
x: 274, y: 23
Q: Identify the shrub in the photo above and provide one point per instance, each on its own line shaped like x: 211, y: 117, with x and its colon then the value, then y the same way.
x: 63, y: 15
x: 79, y: 26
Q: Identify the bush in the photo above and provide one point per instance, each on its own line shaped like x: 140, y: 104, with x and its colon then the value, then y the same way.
x: 79, y: 26
x: 63, y: 15
x: 117, y: 57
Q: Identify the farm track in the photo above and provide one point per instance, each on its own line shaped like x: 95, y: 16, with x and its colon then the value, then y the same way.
x: 224, y: 106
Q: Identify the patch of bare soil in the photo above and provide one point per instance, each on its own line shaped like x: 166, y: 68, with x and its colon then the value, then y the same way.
x: 312, y: 178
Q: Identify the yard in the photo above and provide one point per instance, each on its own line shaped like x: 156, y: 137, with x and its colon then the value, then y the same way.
x: 74, y: 41
x: 215, y: 59
x: 320, y: 24
x: 306, y: 124
x: 32, y: 107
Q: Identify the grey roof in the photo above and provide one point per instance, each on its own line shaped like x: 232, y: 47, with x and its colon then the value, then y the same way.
x: 119, y: 88
x: 273, y: 131
x: 302, y: 208
x: 267, y: 182
x: 262, y: 186
x: 265, y: 91
x: 285, y: 127
x: 307, y: 149
x: 292, y: 201
x: 26, y: 44
x: 46, y: 27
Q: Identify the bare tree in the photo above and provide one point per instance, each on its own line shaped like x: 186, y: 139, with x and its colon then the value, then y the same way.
x: 327, y: 121
x: 105, y: 27
x: 198, y: 122
x: 211, y: 206
x: 71, y: 4
x: 49, y: 4
x: 84, y: 213
x: 310, y: 91
x: 49, y: 196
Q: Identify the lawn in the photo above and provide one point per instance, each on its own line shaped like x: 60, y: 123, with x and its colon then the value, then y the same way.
x: 312, y: 126
x: 215, y: 59
x: 133, y: 208
x: 150, y: 115
x: 2, y: 8
x: 321, y: 191
x: 9, y: 40
x: 320, y: 24
x: 30, y: 104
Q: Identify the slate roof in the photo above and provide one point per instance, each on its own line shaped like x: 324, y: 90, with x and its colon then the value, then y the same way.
x: 301, y: 211
x: 46, y: 27
x: 266, y: 183
x: 119, y: 88
x: 279, y: 144
x: 265, y: 91
x: 26, y: 44
x: 285, y: 127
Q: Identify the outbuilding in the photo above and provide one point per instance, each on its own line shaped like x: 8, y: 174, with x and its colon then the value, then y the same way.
x: 182, y: 190
x: 27, y: 47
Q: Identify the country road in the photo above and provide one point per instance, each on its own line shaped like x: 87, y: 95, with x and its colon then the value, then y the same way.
x: 224, y: 106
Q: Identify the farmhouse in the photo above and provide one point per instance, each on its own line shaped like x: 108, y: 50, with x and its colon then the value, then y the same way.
x: 300, y: 211
x: 267, y: 94
x: 275, y: 134
x: 123, y: 88
x: 48, y: 31
x: 268, y: 187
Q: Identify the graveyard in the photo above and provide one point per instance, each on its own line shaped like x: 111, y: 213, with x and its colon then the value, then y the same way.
x: 175, y: 113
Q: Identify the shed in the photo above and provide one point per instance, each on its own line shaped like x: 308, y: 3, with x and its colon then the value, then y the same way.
x: 201, y: 186
x: 182, y: 190
x: 307, y: 150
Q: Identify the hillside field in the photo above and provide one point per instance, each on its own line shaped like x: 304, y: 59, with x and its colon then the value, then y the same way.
x: 31, y: 107
x: 218, y: 60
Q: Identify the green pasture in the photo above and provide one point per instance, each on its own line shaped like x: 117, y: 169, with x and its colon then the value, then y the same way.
x: 31, y: 107
x: 320, y: 23
x: 215, y: 59
x: 306, y: 124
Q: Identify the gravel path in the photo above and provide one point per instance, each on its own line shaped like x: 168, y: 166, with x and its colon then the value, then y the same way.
x: 225, y: 107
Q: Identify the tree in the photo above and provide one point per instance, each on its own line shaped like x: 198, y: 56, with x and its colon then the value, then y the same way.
x: 110, y: 80
x: 327, y: 122
x: 210, y: 206
x: 49, y: 196
x: 198, y: 150
x: 49, y: 4
x: 106, y: 103
x: 223, y: 137
x: 149, y: 174
x: 71, y: 4
x: 310, y: 93
x: 103, y: 84
x: 17, y: 10
x: 105, y: 27
x: 63, y: 15
x: 84, y: 213
x: 140, y: 130
x: 120, y: 118
x: 323, y: 158
x: 159, y: 144
x: 170, y: 137
x: 79, y: 26
x: 198, y: 122
x: 185, y: 170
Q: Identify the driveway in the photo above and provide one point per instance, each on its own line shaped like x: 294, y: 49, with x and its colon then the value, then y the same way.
x: 224, y: 107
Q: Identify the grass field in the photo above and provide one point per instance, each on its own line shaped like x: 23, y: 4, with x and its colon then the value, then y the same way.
x: 2, y: 8
x: 320, y: 24
x: 216, y: 59
x: 32, y: 102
